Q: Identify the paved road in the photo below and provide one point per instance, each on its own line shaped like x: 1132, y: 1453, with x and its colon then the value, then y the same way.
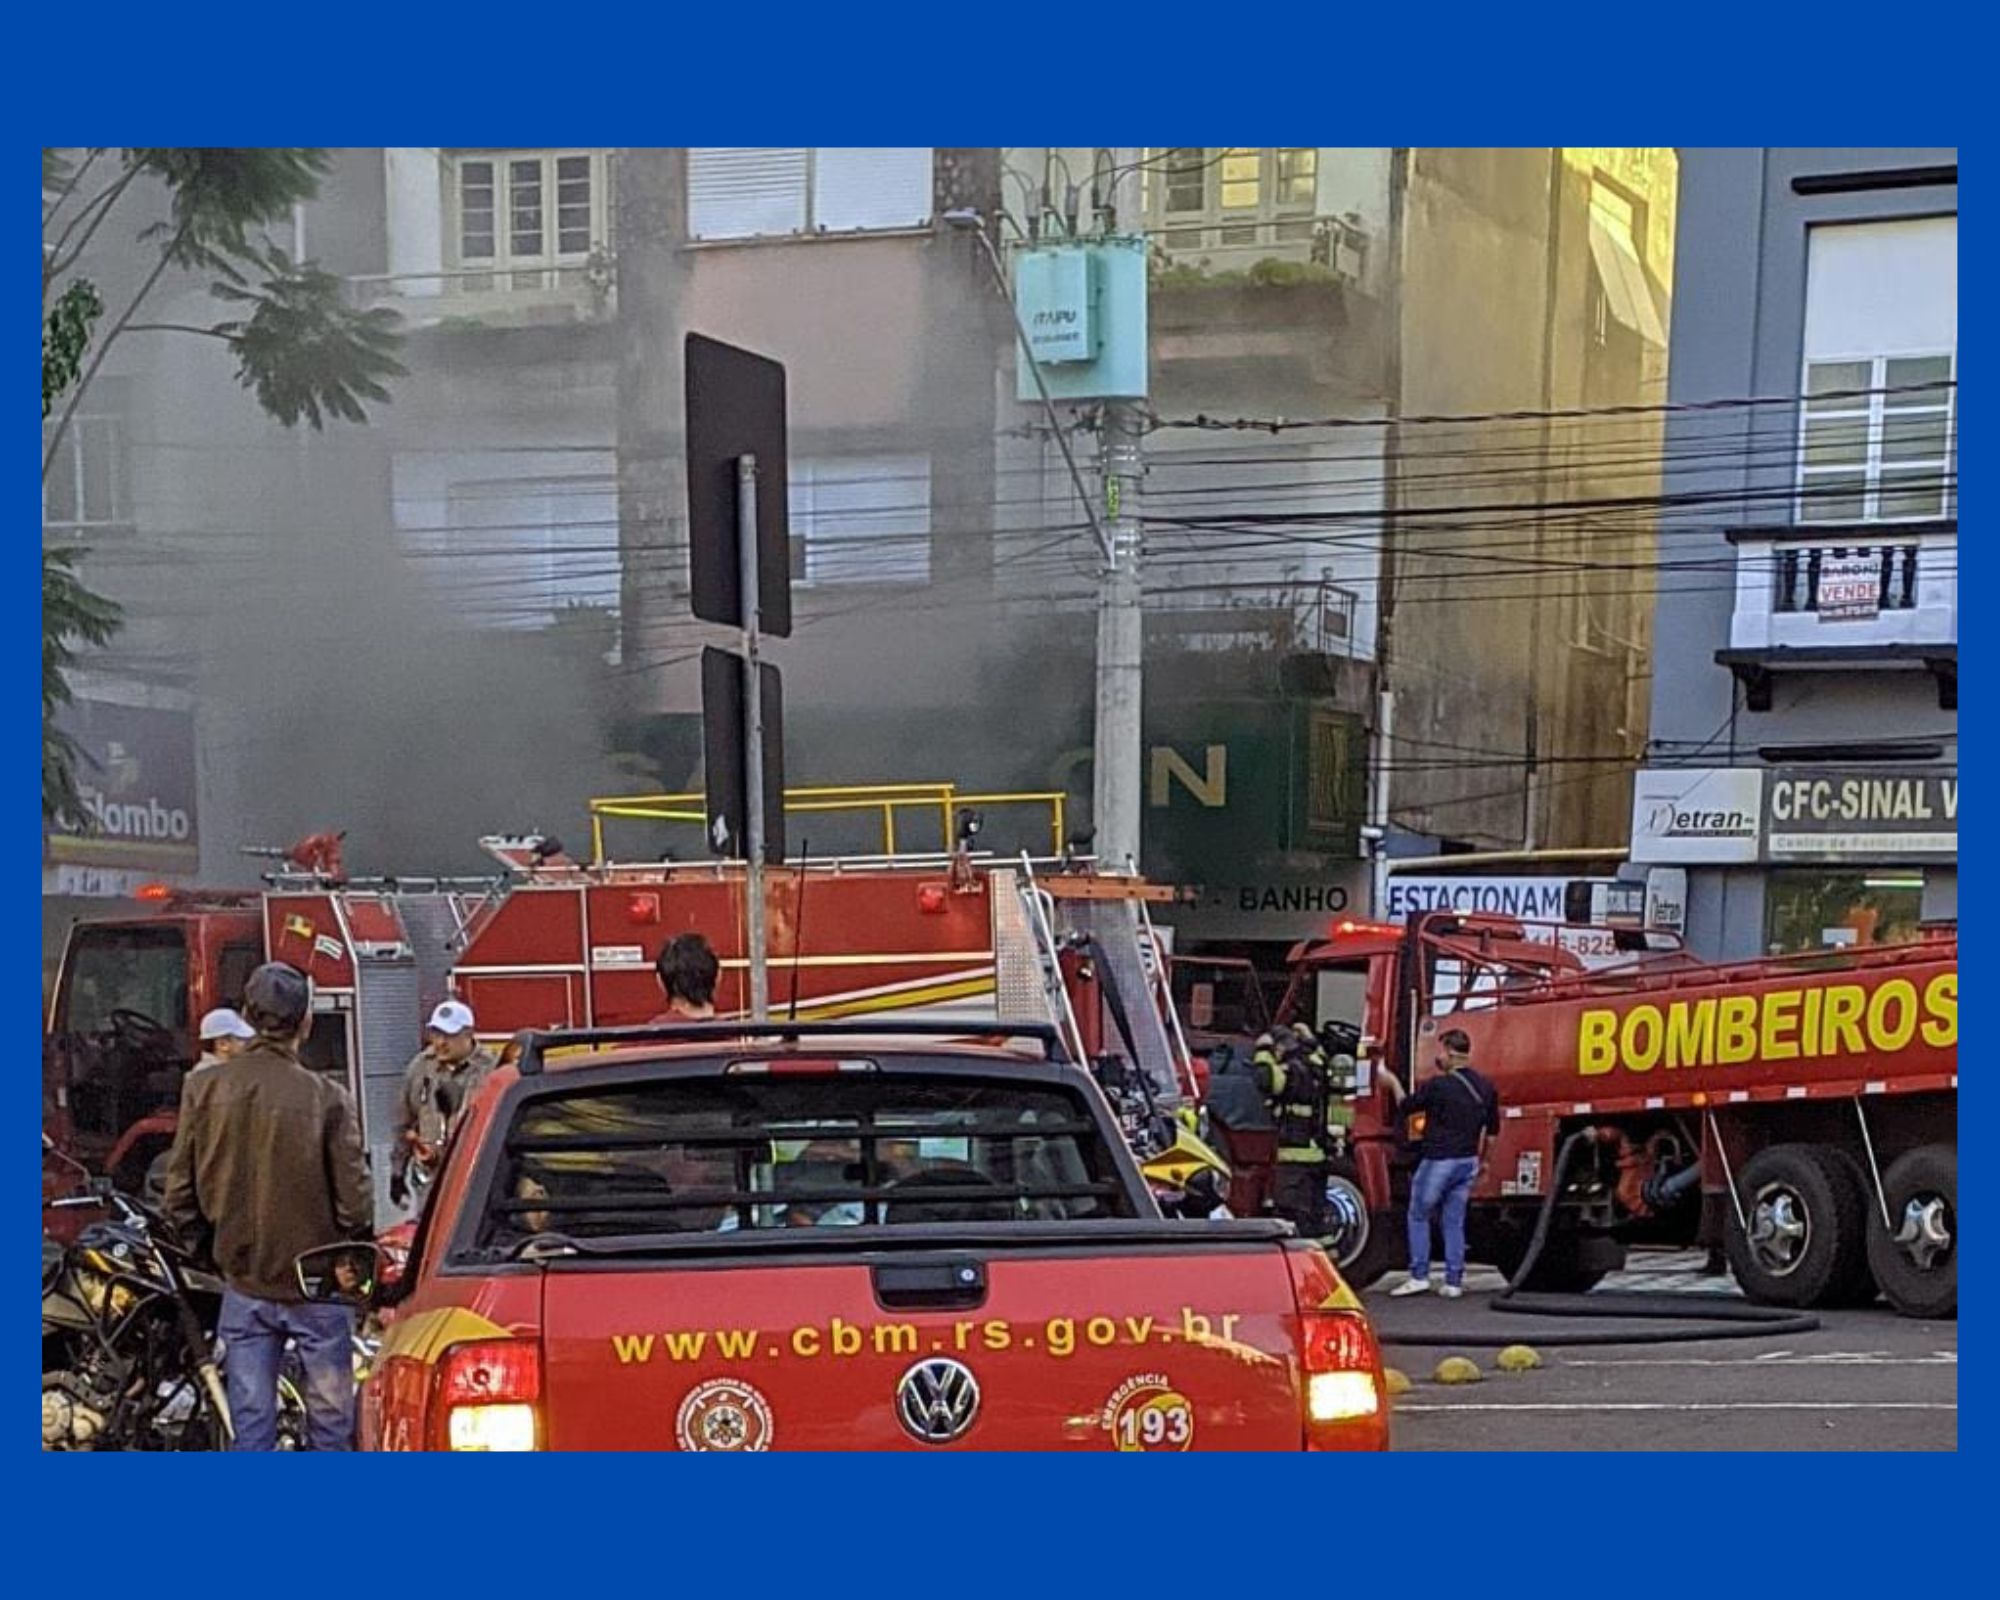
x: 1864, y: 1380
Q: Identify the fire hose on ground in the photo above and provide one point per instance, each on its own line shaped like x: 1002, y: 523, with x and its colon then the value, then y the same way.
x: 1714, y: 1319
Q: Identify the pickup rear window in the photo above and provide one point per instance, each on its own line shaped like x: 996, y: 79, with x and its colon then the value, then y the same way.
x: 716, y: 1154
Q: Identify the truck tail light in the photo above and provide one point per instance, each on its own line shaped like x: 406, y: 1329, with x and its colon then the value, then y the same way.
x: 1343, y: 1368
x: 487, y: 1396
x: 1345, y: 1399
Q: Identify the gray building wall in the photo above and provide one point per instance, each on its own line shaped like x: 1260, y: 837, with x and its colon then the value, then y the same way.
x: 1738, y: 331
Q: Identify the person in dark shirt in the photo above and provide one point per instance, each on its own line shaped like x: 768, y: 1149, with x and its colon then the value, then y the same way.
x: 1461, y: 1111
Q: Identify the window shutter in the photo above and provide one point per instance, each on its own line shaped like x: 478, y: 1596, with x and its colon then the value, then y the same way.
x: 879, y: 188
x: 739, y: 194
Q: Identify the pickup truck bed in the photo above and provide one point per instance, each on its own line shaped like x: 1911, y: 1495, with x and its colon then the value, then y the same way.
x: 908, y: 1248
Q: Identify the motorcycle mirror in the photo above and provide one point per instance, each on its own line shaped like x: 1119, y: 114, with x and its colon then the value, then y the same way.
x: 340, y: 1274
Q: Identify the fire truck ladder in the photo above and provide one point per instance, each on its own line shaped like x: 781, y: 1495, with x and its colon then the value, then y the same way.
x: 1120, y: 936
x: 1152, y: 954
x: 1038, y: 912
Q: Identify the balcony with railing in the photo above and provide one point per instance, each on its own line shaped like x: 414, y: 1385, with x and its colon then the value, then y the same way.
x: 1841, y: 597
x: 488, y: 297
x: 1288, y: 618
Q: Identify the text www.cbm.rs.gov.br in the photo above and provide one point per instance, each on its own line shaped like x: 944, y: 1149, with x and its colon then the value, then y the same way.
x: 1060, y: 1337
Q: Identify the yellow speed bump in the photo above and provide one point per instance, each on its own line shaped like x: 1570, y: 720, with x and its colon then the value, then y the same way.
x: 1518, y: 1358
x: 1397, y: 1380
x: 1456, y: 1369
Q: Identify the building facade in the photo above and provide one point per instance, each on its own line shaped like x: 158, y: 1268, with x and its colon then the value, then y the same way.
x: 469, y: 615
x: 1803, y: 763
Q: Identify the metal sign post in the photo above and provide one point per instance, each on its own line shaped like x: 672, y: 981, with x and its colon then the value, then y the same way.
x: 753, y: 736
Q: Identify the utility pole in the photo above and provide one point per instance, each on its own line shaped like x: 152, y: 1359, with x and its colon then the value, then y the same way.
x: 652, y: 530
x: 1119, y: 758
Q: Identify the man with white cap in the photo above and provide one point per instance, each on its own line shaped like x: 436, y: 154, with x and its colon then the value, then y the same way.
x: 223, y: 1035
x: 440, y: 1079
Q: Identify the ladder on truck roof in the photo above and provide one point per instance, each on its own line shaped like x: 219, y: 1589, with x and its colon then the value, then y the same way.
x: 1106, y: 917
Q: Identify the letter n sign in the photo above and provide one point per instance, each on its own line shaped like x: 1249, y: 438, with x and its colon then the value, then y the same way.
x: 1210, y: 787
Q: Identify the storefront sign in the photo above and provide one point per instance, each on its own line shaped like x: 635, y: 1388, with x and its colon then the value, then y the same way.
x: 1812, y: 814
x: 136, y: 775
x: 1279, y: 908
x: 1849, y: 587
x: 1533, y: 899
x: 1703, y: 816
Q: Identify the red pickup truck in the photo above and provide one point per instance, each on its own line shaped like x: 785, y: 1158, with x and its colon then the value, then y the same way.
x: 843, y: 1236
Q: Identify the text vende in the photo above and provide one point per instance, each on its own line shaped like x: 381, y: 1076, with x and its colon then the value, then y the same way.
x: 1836, y: 1019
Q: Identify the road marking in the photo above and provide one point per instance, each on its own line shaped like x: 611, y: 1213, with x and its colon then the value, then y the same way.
x: 1785, y: 1359
x: 1686, y: 1405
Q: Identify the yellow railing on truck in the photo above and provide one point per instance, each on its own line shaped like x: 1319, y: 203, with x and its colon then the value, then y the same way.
x: 885, y: 800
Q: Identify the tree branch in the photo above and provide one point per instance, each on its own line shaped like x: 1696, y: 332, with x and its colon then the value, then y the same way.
x: 75, y: 183
x: 54, y: 263
x: 104, y: 347
x: 176, y: 327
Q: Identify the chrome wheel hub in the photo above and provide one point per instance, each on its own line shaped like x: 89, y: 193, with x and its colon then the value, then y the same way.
x: 1925, y: 1234
x: 1347, y: 1221
x: 1780, y: 1230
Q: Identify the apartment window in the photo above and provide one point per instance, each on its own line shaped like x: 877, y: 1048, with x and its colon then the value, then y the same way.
x: 514, y: 551
x: 1877, y: 434
x: 533, y: 216
x: 1236, y: 195
x: 1297, y: 176
x: 86, y: 484
x: 1184, y: 179
x: 766, y: 193
x: 862, y: 519
x: 1878, y: 439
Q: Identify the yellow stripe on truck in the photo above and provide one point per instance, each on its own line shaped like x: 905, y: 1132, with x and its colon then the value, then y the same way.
x: 426, y: 1335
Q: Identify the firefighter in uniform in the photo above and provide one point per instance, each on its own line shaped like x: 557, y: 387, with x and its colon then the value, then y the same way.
x: 438, y: 1082
x: 1300, y: 1110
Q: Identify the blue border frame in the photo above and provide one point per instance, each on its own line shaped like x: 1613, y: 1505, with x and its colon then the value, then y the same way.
x: 996, y: 75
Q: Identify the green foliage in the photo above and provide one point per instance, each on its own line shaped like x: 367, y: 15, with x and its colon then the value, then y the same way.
x: 1269, y: 273
x: 71, y: 616
x: 220, y: 198
x: 300, y: 349
x: 65, y: 337
x: 303, y: 351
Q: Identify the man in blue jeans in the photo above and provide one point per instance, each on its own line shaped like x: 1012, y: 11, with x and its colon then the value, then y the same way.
x: 267, y: 1164
x: 1461, y: 1111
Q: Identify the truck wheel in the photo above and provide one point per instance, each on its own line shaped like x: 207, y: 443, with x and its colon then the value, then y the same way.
x: 1364, y: 1244
x: 1805, y: 1243
x: 1916, y: 1260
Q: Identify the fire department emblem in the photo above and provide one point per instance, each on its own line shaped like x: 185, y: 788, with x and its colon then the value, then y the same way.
x: 723, y: 1414
x: 1146, y: 1413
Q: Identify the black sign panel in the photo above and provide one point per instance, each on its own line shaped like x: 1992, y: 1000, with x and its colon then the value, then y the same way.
x: 736, y: 407
x: 722, y: 679
x: 1850, y: 814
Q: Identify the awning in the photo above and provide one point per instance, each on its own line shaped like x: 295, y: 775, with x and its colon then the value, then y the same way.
x: 1623, y: 275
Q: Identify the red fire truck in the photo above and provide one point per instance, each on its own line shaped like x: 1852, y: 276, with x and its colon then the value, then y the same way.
x: 549, y: 943
x: 1802, y: 1110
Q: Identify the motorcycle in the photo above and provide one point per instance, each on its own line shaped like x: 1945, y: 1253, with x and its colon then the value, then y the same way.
x: 129, y: 1355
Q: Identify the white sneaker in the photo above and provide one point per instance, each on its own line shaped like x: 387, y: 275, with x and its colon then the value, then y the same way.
x: 1451, y: 1291
x: 1410, y: 1286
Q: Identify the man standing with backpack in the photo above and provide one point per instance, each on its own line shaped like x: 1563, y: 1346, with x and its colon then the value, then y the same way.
x: 1461, y: 1111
